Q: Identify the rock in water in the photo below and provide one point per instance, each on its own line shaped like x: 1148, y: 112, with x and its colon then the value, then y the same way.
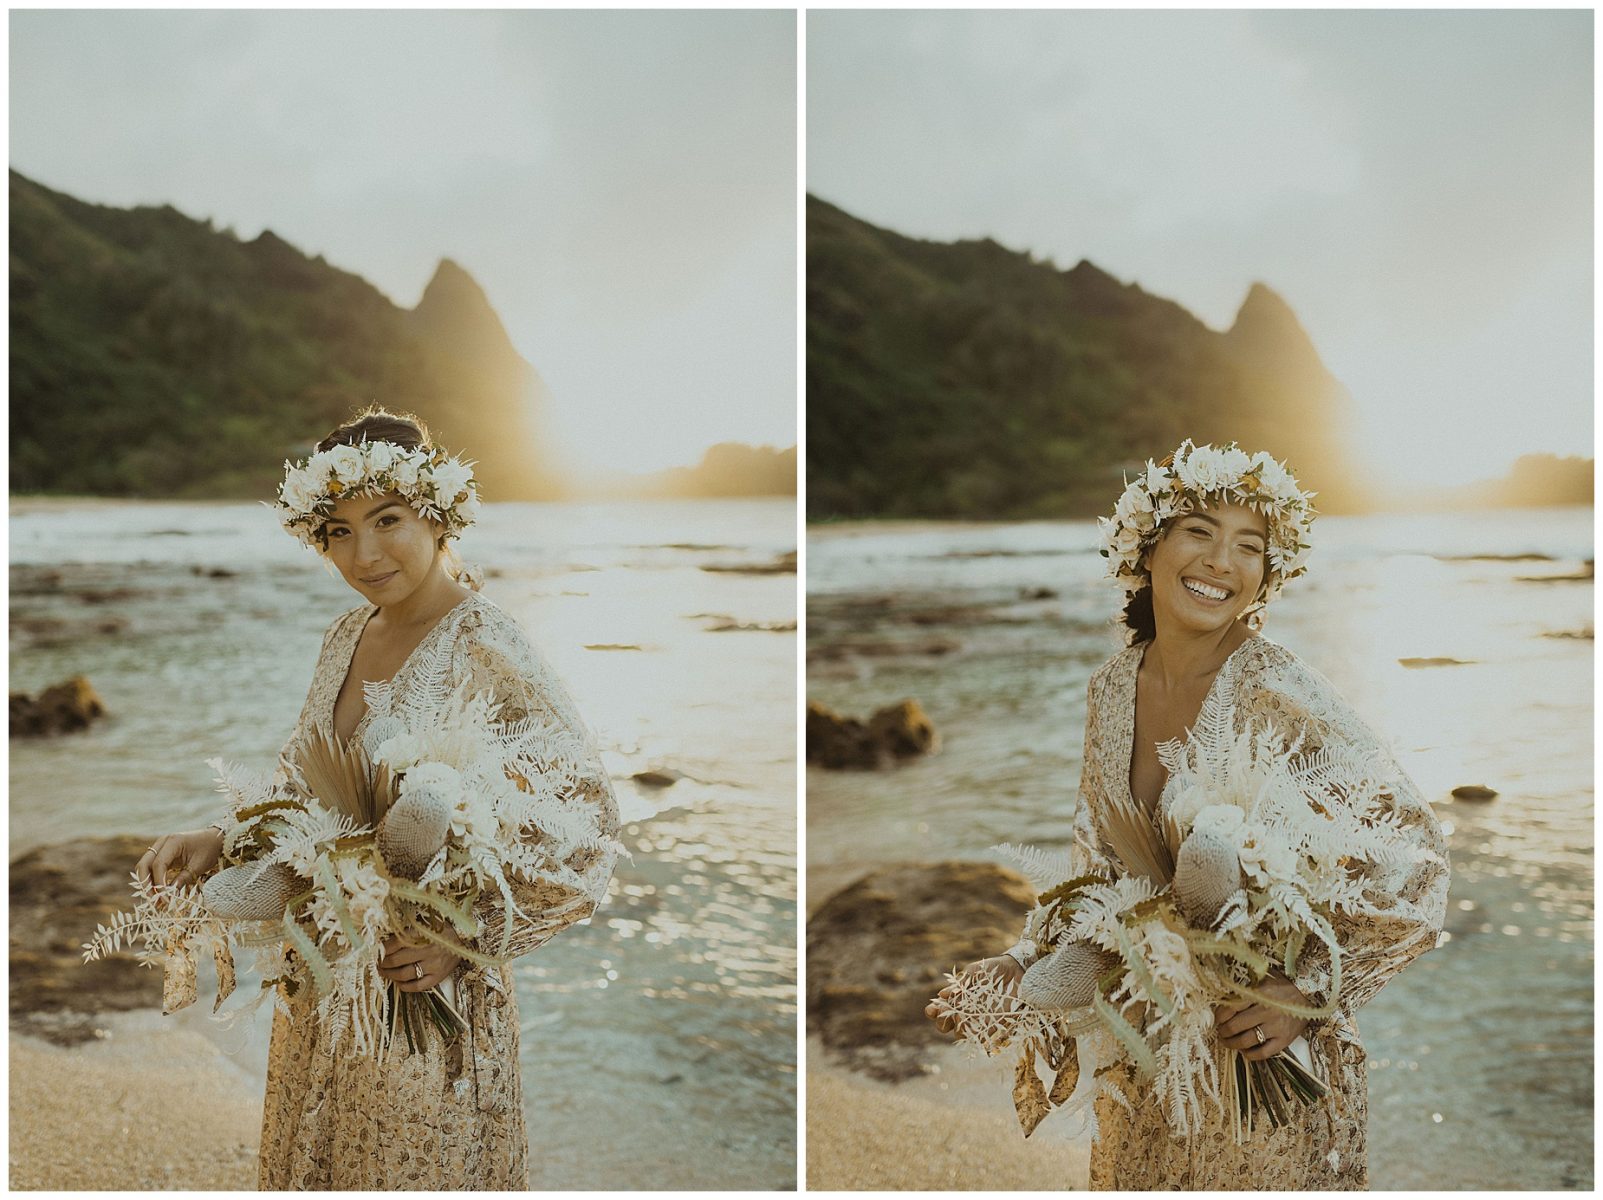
x: 414, y: 829
x: 58, y: 895
x: 1066, y: 978
x: 252, y: 892
x: 1474, y: 791
x: 896, y: 732
x: 1207, y: 872
x: 64, y: 708
x: 878, y: 950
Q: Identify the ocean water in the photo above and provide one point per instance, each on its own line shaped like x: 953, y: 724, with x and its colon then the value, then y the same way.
x: 669, y: 1019
x: 1481, y: 1059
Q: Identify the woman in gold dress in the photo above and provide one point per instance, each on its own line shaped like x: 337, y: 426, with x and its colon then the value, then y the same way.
x: 1202, y: 542
x: 447, y: 1115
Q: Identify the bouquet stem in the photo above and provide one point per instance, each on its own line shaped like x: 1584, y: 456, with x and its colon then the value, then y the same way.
x: 420, y: 1011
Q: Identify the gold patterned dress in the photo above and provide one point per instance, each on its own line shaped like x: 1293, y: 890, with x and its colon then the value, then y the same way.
x: 1324, y: 1147
x: 447, y: 1118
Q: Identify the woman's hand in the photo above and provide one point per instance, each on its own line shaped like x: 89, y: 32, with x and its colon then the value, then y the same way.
x: 179, y: 858
x: 416, y: 968
x: 1238, y: 1021
x: 1004, y: 965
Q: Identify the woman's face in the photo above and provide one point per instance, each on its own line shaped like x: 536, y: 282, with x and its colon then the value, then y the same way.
x: 1208, y: 567
x: 382, y: 547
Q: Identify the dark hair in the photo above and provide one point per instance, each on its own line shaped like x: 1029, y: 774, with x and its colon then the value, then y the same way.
x: 1138, y: 617
x: 376, y: 424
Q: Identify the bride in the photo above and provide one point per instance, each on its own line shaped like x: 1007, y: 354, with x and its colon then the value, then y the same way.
x: 1202, y: 542
x: 381, y: 504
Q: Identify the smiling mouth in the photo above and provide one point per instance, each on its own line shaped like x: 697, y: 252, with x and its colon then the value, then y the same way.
x: 1205, y: 591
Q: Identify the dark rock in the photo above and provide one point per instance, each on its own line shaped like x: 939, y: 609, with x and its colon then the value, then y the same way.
x: 64, y: 708
x: 1038, y: 593
x: 878, y: 951
x: 882, y: 648
x: 1474, y: 791
x: 785, y: 564
x: 659, y: 778
x: 1416, y: 663
x: 58, y: 895
x: 847, y: 743
x: 213, y: 572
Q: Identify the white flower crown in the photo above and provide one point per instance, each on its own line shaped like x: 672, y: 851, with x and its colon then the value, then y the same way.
x: 437, y: 485
x: 1199, y: 474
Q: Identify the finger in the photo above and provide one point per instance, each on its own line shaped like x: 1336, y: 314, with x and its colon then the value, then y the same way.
x: 184, y: 878
x: 402, y: 956
x: 142, y: 867
x: 167, y: 852
x: 420, y: 985
x: 1252, y: 1015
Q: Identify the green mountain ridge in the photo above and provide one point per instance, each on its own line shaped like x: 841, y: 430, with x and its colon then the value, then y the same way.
x: 154, y: 355
x: 969, y: 380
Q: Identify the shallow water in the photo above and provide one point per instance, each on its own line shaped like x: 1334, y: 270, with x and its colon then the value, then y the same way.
x: 671, y: 1016
x: 1481, y: 1052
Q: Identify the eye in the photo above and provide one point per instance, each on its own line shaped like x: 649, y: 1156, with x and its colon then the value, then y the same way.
x: 338, y: 532
x: 388, y: 519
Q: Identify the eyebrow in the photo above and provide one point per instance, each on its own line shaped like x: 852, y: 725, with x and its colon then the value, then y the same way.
x: 1215, y: 522
x: 372, y: 512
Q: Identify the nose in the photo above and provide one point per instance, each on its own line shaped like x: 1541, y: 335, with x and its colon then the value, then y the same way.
x: 367, y: 549
x: 1214, y: 557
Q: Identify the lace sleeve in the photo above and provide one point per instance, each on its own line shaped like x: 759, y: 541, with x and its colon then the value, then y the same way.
x: 494, y: 652
x: 1406, y: 904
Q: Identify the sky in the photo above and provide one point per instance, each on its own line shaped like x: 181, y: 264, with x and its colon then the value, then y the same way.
x: 621, y: 184
x: 1416, y: 185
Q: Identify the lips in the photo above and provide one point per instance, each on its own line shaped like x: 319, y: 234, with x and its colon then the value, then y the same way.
x: 379, y: 580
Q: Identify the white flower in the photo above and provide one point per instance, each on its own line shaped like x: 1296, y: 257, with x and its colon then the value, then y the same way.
x: 1127, y: 540
x: 404, y: 469
x: 381, y: 456
x: 1234, y: 462
x: 1219, y: 818
x: 1157, y: 478
x: 432, y: 774
x: 451, y: 480
x: 1266, y: 858
x: 345, y: 461
x: 301, y: 490
x: 400, y: 751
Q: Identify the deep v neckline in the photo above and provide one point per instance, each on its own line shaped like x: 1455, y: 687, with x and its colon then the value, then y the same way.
x: 350, y: 662
x: 1130, y: 681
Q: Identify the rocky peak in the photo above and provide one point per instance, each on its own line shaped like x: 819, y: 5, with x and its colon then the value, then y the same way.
x: 455, y: 310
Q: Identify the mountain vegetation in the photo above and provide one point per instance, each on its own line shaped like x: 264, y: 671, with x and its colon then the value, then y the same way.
x: 153, y: 354
x: 970, y: 380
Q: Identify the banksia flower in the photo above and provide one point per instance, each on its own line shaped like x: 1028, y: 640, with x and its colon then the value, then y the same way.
x: 1066, y: 978
x: 253, y: 892
x: 414, y: 829
x: 1207, y: 872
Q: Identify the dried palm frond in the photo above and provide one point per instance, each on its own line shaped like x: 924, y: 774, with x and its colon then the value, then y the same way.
x: 338, y: 775
x: 1136, y: 842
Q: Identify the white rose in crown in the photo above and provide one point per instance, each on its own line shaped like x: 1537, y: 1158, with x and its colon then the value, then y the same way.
x: 404, y: 470
x: 346, y: 462
x: 381, y: 456
x: 302, y: 491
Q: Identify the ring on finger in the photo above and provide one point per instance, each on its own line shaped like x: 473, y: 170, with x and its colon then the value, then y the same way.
x: 418, y: 968
x: 1258, y: 1029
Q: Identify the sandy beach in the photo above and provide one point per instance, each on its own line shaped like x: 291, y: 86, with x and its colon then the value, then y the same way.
x: 952, y: 1130
x: 148, y: 1107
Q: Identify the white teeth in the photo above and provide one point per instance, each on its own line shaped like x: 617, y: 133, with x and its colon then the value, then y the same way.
x: 1203, y: 590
